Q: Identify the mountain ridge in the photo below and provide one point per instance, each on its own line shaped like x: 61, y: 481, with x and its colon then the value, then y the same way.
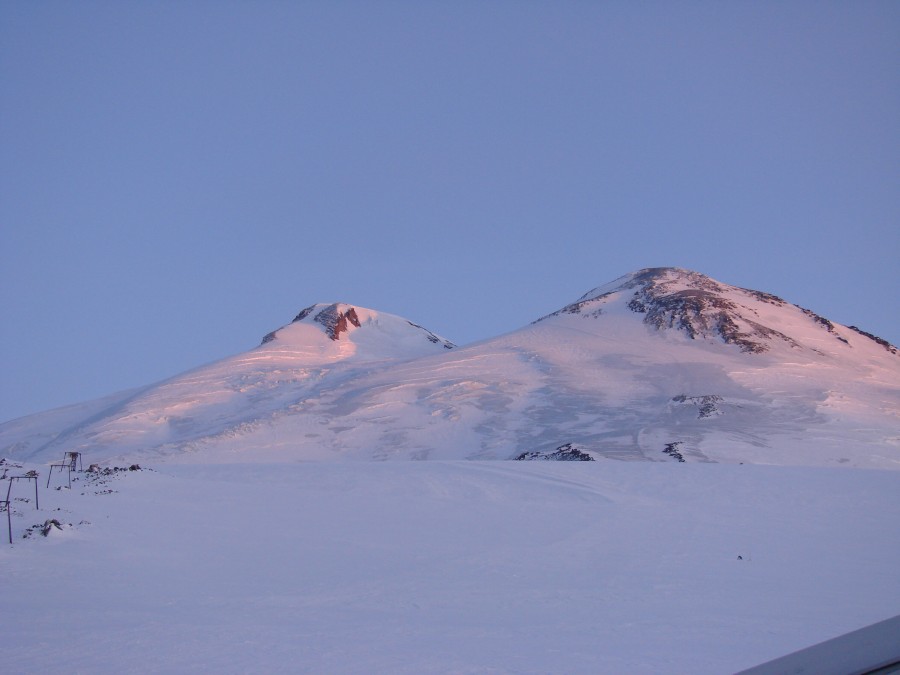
x: 662, y: 364
x: 672, y: 297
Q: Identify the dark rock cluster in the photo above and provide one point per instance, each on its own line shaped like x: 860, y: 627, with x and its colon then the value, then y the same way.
x: 431, y: 337
x: 765, y: 297
x: 109, y: 471
x: 98, y: 479
x: 579, y: 308
x: 673, y: 452
x: 825, y: 323
x: 331, y: 317
x: 336, y: 321
x: 707, y: 404
x: 690, y: 302
x: 884, y: 343
x: 564, y: 453
x: 701, y: 311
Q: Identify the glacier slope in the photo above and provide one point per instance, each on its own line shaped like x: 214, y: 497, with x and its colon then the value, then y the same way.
x: 659, y: 357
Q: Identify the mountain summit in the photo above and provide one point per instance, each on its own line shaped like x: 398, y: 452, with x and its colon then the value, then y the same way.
x: 661, y: 365
x: 382, y: 334
x: 670, y: 298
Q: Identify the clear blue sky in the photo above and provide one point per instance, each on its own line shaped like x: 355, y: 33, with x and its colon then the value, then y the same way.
x: 178, y: 179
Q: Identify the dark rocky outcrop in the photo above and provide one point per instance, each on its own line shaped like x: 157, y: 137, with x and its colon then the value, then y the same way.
x: 881, y: 341
x: 331, y: 317
x: 336, y: 321
x: 339, y: 318
x: 564, y: 453
x: 672, y: 450
x: 49, y: 525
x: 701, y: 310
x: 431, y: 337
x: 304, y: 313
x: 670, y: 298
x: 707, y: 405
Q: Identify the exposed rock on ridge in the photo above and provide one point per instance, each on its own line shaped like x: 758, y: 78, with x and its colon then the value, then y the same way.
x: 701, y: 309
x: 431, y: 337
x: 881, y: 341
x: 336, y: 321
x: 339, y: 318
x: 670, y: 298
x: 332, y: 317
x: 564, y: 453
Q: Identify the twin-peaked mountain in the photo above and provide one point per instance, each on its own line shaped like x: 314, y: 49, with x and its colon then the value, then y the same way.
x: 661, y: 365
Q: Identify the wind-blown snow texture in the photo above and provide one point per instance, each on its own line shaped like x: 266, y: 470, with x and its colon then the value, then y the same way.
x: 660, y: 358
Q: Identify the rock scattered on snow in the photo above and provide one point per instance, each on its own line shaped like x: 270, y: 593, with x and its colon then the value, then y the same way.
x: 97, y: 477
x: 564, y: 453
x: 673, y: 452
x: 707, y: 404
x: 49, y: 525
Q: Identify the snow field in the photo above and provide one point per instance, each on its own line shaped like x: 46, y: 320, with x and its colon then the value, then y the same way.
x: 440, y: 567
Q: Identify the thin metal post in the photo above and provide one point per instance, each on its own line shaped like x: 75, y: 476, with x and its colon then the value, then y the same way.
x: 8, y: 509
x: 28, y: 476
x: 32, y: 475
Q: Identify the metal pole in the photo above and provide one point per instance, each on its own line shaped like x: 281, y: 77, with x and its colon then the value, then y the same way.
x: 8, y: 509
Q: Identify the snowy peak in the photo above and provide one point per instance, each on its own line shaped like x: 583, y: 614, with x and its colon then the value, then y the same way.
x: 701, y: 308
x: 663, y: 364
x: 704, y: 308
x: 335, y: 317
x: 654, y: 275
x: 349, y: 329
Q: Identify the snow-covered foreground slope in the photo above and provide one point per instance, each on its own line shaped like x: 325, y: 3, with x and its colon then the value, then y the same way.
x: 661, y: 365
x: 240, y: 552
x: 446, y: 567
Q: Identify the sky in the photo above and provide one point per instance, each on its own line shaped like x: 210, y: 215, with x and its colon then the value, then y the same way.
x: 179, y: 179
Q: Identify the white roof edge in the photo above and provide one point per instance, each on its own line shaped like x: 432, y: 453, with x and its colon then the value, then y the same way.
x: 869, y: 650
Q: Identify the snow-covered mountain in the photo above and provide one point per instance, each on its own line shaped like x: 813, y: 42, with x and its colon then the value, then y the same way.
x: 663, y: 364
x: 381, y: 336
